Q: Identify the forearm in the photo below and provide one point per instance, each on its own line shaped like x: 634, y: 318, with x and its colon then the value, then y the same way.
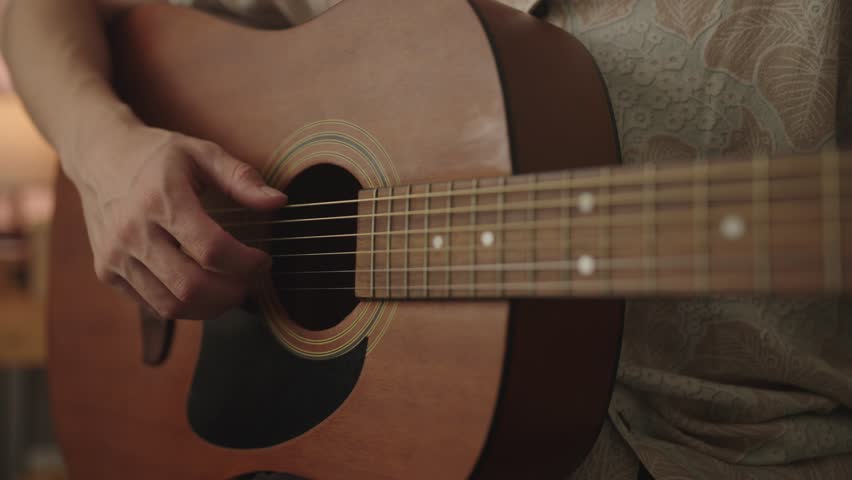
x: 58, y: 56
x: 138, y: 185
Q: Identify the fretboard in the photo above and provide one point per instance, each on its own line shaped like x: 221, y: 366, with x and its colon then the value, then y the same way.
x: 760, y: 226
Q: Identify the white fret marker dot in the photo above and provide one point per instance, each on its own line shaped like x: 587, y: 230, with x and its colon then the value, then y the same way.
x: 487, y: 239
x: 586, y: 202
x: 586, y: 265
x: 437, y: 242
x: 732, y: 227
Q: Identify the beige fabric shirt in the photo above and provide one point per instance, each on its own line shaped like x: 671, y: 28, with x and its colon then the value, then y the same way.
x: 715, y: 388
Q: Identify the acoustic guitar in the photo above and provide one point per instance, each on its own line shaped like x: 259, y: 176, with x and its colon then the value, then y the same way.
x: 447, y: 294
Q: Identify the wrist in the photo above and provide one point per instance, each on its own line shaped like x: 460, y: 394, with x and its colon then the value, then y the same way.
x: 94, y: 132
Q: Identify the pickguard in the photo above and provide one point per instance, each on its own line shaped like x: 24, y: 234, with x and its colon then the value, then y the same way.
x: 250, y: 392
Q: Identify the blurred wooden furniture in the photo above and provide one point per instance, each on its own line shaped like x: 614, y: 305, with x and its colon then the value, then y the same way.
x: 43, y: 476
x: 21, y: 330
x: 43, y: 463
x: 59, y: 475
x: 22, y: 311
x: 22, y: 351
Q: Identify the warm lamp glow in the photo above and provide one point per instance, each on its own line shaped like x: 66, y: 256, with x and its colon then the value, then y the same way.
x: 25, y: 158
x: 5, y: 81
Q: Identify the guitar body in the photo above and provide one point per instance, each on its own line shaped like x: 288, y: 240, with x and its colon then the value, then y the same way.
x: 389, y: 93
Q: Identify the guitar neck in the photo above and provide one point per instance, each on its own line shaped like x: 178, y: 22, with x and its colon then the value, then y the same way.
x: 760, y: 226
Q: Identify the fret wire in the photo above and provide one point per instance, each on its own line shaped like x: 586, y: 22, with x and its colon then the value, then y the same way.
x: 760, y: 214
x: 672, y: 172
x: 605, y: 231
x: 448, y: 243
x: 649, y: 209
x: 373, y: 247
x: 473, y: 239
x: 531, y: 255
x: 389, y: 238
x: 406, y: 239
x: 832, y: 232
x: 701, y: 204
x: 426, y: 244
x: 565, y: 232
x: 499, y: 224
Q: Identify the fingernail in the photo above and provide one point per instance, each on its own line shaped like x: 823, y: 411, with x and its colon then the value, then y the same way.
x: 271, y: 192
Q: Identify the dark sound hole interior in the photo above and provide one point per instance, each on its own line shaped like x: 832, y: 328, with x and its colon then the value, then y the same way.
x: 268, y: 476
x: 315, y: 276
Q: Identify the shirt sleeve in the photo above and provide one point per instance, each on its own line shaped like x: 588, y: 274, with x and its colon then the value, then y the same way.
x: 282, y: 13
x: 263, y: 13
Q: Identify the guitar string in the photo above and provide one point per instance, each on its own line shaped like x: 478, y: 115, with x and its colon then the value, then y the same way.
x: 686, y: 200
x: 590, y: 181
x: 788, y: 250
x: 591, y: 285
x: 611, y: 264
x: 624, y: 178
x: 668, y: 216
x: 617, y: 200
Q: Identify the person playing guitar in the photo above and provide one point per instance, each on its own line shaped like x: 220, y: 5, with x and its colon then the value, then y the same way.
x: 709, y: 388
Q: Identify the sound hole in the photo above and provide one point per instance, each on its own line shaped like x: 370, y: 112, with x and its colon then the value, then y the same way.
x: 268, y: 476
x: 314, y: 269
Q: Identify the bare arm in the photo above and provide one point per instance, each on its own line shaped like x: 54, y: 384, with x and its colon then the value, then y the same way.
x: 58, y: 56
x: 138, y: 185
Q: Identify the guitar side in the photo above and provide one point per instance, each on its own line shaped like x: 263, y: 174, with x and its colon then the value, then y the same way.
x: 489, y: 389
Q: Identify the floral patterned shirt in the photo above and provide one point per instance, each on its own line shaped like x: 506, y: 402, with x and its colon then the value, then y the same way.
x: 712, y: 388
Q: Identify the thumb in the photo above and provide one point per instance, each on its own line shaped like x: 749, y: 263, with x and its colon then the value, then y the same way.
x: 237, y: 179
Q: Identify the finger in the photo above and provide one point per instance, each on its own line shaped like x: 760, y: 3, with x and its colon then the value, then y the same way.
x: 124, y: 287
x: 237, y: 179
x: 150, y: 290
x: 207, y: 242
x: 204, y: 294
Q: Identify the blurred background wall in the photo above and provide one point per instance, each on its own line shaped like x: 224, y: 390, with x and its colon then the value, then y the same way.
x: 27, y: 168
